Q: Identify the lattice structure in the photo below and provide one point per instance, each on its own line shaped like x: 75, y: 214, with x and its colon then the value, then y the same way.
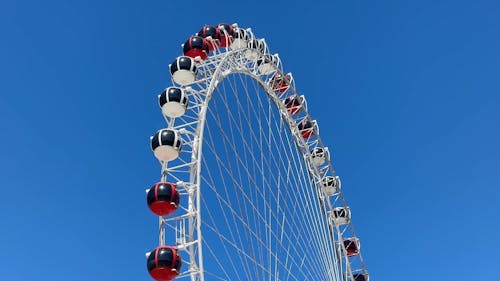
x: 247, y: 189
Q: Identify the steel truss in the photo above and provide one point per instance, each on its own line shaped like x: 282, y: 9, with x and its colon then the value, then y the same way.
x: 186, y: 225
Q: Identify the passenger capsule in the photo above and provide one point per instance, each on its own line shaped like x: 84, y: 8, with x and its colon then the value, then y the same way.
x: 361, y: 277
x: 330, y: 185
x: 255, y: 49
x: 212, y: 34
x: 341, y: 215
x: 173, y: 102
x: 240, y: 38
x: 164, y: 263
x: 352, y: 246
x: 320, y: 155
x: 280, y: 83
x: 306, y: 128
x: 196, y: 46
x: 163, y: 198
x: 266, y: 64
x: 183, y: 70
x: 166, y: 144
x: 226, y: 34
x: 293, y: 104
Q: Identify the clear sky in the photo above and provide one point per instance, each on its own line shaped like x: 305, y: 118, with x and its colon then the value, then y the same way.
x: 406, y: 93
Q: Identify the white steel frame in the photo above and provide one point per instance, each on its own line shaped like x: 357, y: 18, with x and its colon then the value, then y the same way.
x: 186, y: 223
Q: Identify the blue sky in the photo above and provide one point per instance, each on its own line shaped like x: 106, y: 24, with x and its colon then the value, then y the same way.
x: 406, y: 94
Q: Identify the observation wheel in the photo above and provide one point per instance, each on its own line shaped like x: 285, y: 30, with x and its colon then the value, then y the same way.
x: 247, y: 190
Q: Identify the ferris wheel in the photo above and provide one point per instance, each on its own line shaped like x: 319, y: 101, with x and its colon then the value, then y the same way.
x: 247, y: 190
